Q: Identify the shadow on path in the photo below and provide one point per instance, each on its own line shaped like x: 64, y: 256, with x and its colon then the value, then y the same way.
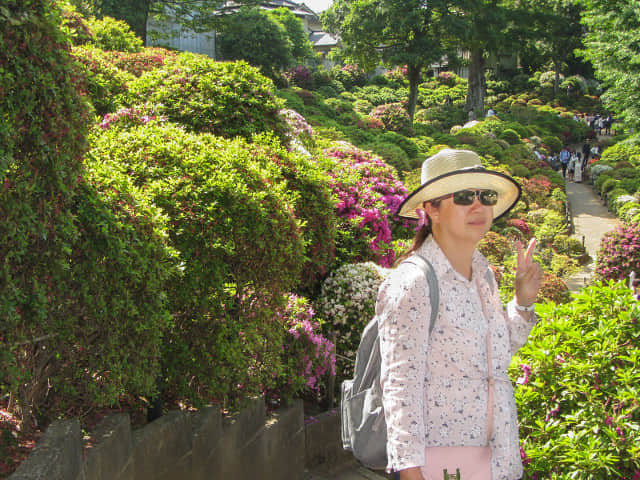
x: 591, y: 220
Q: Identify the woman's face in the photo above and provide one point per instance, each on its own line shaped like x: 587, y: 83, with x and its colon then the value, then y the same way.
x: 458, y: 225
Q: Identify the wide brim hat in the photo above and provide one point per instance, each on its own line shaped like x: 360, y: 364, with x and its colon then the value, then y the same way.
x: 449, y: 171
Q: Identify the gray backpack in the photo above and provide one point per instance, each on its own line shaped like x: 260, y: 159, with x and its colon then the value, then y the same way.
x: 364, y: 429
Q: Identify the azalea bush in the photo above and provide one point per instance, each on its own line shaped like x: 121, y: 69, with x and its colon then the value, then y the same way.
x: 619, y: 253
x: 346, y: 304
x: 224, y: 98
x: 576, y: 386
x: 240, y: 247
x: 308, y: 355
x: 368, y: 195
x: 394, y: 117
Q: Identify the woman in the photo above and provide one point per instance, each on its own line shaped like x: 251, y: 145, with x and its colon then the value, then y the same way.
x: 435, y: 388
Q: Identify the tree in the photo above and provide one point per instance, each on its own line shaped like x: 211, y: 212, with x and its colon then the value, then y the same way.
x: 612, y: 44
x: 553, y: 32
x: 394, y: 32
x: 302, y: 47
x: 253, y: 35
x: 478, y: 27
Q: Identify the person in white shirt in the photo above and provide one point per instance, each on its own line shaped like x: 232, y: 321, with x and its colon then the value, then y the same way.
x: 436, y: 393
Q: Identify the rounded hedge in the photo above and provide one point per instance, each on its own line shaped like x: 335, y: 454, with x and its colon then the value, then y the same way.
x: 240, y: 248
x: 228, y: 99
x: 83, y: 269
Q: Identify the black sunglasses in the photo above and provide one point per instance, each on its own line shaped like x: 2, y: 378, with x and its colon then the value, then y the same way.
x: 487, y: 198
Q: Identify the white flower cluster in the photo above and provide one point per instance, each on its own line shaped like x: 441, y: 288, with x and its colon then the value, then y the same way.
x: 348, y: 297
x: 596, y: 170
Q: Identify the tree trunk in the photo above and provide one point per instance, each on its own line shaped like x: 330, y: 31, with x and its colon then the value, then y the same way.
x: 477, y: 83
x: 414, y: 80
x: 556, y: 80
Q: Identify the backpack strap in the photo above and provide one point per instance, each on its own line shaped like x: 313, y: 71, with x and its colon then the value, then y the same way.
x: 432, y: 281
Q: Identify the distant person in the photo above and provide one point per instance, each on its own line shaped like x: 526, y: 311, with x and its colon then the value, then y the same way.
x: 491, y: 112
x: 472, y: 115
x: 565, y: 156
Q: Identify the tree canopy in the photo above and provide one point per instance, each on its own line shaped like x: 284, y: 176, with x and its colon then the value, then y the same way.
x: 612, y: 44
x: 394, y: 32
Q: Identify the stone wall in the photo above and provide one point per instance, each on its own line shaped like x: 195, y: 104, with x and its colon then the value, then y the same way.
x: 189, y: 446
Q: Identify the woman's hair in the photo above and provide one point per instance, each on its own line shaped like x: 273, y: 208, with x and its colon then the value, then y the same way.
x: 420, y: 236
x: 418, y: 240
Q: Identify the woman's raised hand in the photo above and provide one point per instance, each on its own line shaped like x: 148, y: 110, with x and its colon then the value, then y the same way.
x: 528, y: 274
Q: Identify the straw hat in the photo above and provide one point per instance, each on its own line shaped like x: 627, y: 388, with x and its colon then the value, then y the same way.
x: 449, y: 171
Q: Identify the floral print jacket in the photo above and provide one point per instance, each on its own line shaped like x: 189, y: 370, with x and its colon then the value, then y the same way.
x: 435, y: 387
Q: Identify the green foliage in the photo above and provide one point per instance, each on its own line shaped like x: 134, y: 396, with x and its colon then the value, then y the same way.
x: 224, y: 98
x: 392, y: 154
x: 255, y: 36
x: 111, y: 34
x: 576, y: 388
x: 294, y: 28
x: 611, y: 44
x: 106, y: 84
x: 240, y: 247
x: 621, y: 152
x: 510, y: 136
x: 83, y: 267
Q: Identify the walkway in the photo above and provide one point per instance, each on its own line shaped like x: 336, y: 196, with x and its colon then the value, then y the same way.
x: 591, y: 220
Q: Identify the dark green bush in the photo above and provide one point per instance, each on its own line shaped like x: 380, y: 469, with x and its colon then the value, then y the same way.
x: 553, y: 142
x: 240, y: 247
x: 609, y: 185
x: 224, y: 98
x: 407, y: 144
x: 576, y: 387
x: 392, y: 154
x: 603, y: 177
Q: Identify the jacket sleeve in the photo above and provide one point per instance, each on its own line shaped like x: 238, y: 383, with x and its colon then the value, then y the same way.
x: 403, y: 310
x: 520, y: 325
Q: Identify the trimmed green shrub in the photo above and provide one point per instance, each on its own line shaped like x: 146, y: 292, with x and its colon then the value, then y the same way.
x: 106, y: 84
x: 377, y: 95
x: 407, y: 144
x: 224, y: 98
x: 629, y: 210
x: 621, y: 152
x: 608, y: 185
x: 510, y: 136
x: 553, y: 143
x: 111, y: 34
x: 240, y: 247
x: 83, y: 266
x: 576, y: 387
x: 392, y: 154
x: 394, y: 117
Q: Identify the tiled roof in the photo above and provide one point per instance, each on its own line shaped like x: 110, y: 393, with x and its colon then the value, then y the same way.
x: 322, y: 39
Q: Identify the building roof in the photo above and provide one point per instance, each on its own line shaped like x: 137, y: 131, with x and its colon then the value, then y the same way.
x: 322, y: 39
